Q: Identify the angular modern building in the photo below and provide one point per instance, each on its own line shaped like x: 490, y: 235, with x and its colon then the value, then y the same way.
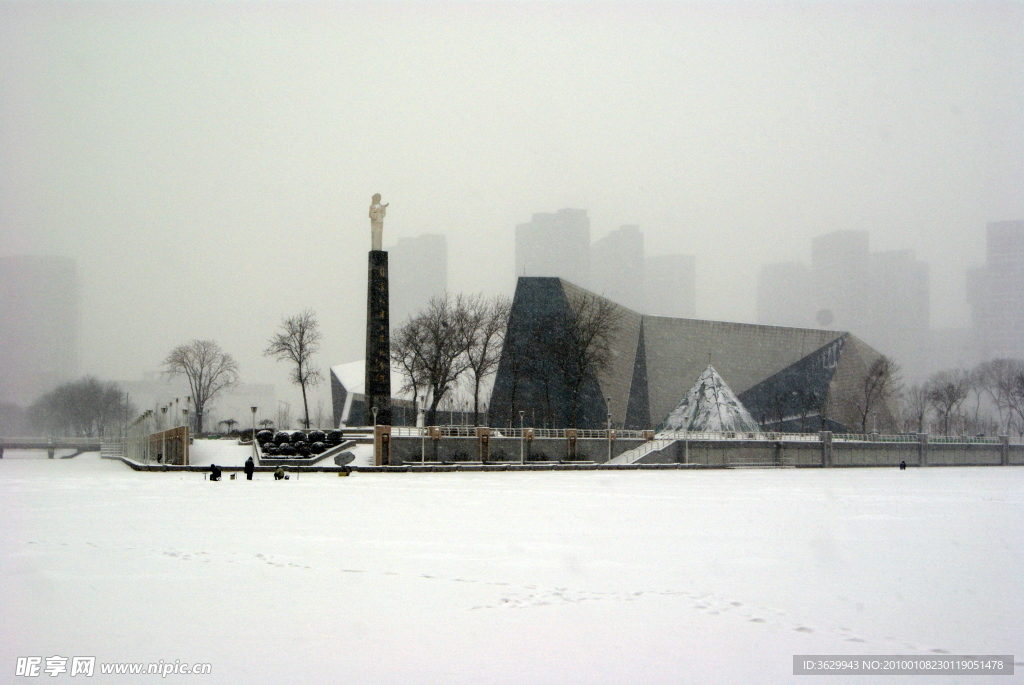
x: 790, y: 379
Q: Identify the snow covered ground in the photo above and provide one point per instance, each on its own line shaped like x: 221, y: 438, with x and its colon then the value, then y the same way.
x: 549, y: 577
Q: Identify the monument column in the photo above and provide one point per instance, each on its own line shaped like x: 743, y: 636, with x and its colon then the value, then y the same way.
x: 378, y: 334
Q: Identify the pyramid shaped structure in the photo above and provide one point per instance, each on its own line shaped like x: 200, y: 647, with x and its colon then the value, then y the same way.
x: 710, y: 406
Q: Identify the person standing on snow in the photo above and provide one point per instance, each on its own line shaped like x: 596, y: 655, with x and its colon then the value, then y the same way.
x: 249, y: 468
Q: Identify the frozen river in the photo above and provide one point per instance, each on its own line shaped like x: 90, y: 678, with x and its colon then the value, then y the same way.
x: 550, y: 577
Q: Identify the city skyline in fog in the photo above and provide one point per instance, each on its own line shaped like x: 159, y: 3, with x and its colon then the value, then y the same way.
x: 210, y: 166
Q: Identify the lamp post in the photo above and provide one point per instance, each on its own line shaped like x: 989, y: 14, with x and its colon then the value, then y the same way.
x: 253, y: 435
x: 522, y: 438
x: 374, y: 410
x: 163, y: 435
x: 608, y: 406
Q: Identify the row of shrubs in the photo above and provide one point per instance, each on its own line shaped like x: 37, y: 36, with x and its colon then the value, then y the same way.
x: 329, y: 438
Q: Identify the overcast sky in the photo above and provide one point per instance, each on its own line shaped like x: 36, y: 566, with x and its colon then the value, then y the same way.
x: 210, y: 165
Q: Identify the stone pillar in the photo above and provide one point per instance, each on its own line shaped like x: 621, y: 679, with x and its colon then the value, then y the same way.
x: 1004, y: 450
x: 922, y: 449
x: 826, y: 448
x: 378, y: 342
x: 382, y: 446
x: 483, y: 436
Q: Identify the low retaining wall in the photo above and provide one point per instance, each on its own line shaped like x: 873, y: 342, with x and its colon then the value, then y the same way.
x: 451, y: 449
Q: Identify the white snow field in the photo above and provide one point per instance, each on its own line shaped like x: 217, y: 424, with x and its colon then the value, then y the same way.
x: 545, y: 577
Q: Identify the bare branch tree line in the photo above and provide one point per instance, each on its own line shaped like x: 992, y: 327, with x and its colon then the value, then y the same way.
x: 986, y: 400
x: 457, y: 338
x: 84, y: 408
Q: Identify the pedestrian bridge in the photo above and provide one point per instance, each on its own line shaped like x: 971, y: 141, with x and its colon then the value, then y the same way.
x: 51, y: 445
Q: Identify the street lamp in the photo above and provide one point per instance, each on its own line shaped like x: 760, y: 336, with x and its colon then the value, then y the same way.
x: 253, y: 435
x: 522, y: 438
x: 374, y: 410
x: 608, y: 406
x: 163, y: 435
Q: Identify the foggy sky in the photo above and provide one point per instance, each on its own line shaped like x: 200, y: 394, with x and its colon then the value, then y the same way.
x: 210, y: 166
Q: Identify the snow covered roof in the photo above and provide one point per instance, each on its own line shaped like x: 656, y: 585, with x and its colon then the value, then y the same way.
x: 710, y: 406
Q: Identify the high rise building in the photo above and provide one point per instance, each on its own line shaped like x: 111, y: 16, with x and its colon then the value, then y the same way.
x: 882, y: 297
x: 898, y: 314
x: 839, y: 280
x: 670, y: 286
x: 39, y: 325
x: 555, y: 244
x: 418, y: 271
x: 617, y: 267
x: 996, y: 293
x: 783, y: 295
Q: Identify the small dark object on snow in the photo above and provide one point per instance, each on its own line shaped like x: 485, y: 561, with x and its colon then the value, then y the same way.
x: 903, y: 466
x: 250, y: 466
x: 214, y: 472
x: 279, y: 473
x: 344, y: 458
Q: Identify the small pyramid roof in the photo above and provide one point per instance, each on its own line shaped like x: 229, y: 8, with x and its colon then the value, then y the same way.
x: 710, y: 406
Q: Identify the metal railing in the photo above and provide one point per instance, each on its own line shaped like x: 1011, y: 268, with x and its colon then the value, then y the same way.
x: 873, y: 437
x: 470, y: 432
x: 738, y: 435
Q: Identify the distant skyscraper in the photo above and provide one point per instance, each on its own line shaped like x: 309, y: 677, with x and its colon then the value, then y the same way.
x: 617, y: 267
x: 882, y: 297
x: 899, y: 307
x: 839, y: 280
x: 418, y: 271
x: 670, y: 286
x: 39, y: 325
x: 784, y: 295
x: 996, y: 293
x: 555, y: 244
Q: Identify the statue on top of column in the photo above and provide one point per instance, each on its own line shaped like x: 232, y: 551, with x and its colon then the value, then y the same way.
x: 377, y: 212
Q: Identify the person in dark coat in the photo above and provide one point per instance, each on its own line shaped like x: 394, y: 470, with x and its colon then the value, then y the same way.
x: 249, y: 468
x: 903, y: 466
x: 214, y: 472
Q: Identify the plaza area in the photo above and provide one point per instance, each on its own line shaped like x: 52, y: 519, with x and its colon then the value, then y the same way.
x: 716, y: 576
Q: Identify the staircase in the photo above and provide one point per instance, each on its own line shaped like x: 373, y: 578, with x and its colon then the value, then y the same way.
x: 637, y: 453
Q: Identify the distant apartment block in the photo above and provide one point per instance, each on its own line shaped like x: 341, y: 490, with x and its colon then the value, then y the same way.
x: 783, y: 295
x: 617, y: 267
x: 996, y: 293
x: 670, y: 286
x: 418, y: 271
x: 883, y: 297
x: 555, y: 244
x: 39, y: 325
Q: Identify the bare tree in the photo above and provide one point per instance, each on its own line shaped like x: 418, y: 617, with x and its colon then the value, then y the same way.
x: 297, y: 342
x: 914, y: 405
x: 431, y: 348
x: 86, y: 407
x: 997, y: 378
x: 880, y: 383
x: 230, y: 423
x: 408, y: 350
x: 583, y: 343
x: 209, y: 370
x: 486, y: 323
x: 947, y: 390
